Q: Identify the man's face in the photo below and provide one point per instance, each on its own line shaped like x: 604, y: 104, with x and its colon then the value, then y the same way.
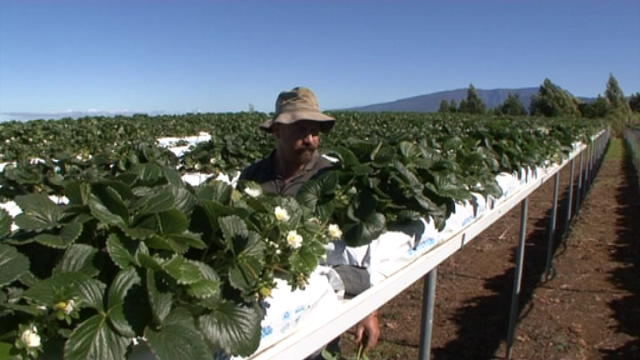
x: 298, y: 141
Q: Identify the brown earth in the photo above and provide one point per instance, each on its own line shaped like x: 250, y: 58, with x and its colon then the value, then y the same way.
x: 589, y: 308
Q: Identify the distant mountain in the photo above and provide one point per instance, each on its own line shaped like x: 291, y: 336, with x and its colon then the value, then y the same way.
x: 26, y: 116
x: 431, y: 102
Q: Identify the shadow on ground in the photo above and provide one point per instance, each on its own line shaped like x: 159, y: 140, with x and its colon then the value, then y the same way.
x: 483, y: 322
x: 627, y: 309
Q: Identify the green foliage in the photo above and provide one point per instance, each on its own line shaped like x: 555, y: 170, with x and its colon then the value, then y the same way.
x: 473, y: 104
x: 136, y: 252
x: 512, y: 106
x: 634, y: 102
x: 620, y: 115
x: 552, y: 100
x: 597, y: 109
x: 447, y: 107
x: 614, y: 94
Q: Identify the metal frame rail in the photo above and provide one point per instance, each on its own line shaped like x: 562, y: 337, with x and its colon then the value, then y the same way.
x: 309, y: 337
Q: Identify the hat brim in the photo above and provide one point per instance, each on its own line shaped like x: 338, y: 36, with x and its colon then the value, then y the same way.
x: 291, y: 117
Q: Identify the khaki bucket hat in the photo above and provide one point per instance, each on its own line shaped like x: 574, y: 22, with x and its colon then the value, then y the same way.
x: 299, y: 103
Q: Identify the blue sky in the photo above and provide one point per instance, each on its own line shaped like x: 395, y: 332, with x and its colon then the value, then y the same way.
x: 185, y: 56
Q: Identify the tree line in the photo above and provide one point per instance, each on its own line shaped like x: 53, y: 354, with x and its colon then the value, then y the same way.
x: 552, y: 100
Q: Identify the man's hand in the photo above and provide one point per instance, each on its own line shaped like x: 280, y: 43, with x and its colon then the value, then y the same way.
x: 368, y: 331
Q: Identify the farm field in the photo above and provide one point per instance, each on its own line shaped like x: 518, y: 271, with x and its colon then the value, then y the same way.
x: 151, y: 222
x: 589, y: 309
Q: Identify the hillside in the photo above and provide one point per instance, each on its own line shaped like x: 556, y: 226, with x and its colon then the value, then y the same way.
x: 431, y: 102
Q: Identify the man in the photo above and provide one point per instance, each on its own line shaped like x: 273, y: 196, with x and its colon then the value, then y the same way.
x: 297, y: 125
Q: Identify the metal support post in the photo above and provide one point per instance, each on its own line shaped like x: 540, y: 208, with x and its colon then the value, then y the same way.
x: 591, y: 169
x: 570, y: 200
x: 580, y: 187
x: 552, y: 226
x: 587, y: 170
x: 428, y: 300
x: 513, y: 315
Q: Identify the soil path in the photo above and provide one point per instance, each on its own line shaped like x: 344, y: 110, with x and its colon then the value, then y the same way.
x: 589, y: 308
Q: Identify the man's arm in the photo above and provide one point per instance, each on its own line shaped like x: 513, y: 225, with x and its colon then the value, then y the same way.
x: 356, y: 280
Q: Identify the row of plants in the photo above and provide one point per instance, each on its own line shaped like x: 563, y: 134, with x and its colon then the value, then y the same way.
x: 632, y: 141
x: 139, y: 254
x: 93, y: 144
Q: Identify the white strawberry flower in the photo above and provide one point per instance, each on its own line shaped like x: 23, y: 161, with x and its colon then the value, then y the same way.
x: 253, y: 192
x: 30, y: 337
x: 294, y: 239
x: 281, y: 214
x: 334, y: 231
x: 66, y: 306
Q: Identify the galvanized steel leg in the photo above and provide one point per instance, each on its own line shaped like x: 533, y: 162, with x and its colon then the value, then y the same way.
x: 513, y: 315
x: 428, y: 300
x: 580, y: 187
x: 570, y: 200
x: 552, y: 225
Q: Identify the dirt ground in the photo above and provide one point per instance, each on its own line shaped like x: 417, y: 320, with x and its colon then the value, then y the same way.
x: 588, y: 308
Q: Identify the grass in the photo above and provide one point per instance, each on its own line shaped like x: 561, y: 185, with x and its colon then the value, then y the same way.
x: 616, y: 149
x: 385, y: 350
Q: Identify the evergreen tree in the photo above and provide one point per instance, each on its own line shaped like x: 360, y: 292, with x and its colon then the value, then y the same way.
x: 512, y: 106
x: 620, y: 111
x: 614, y: 94
x: 453, y: 106
x: 596, y: 109
x: 444, y: 106
x: 634, y: 102
x: 552, y: 100
x: 473, y: 104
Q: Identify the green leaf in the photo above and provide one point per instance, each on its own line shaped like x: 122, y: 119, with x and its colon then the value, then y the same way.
x: 118, y: 319
x: 177, y: 339
x: 172, y: 222
x: 188, y: 238
x: 233, y: 227
x: 183, y: 270
x: 138, y: 233
x: 367, y: 224
x: 70, y: 285
x: 184, y: 199
x: 123, y: 281
x: 121, y: 250
x: 204, y: 289
x: 112, y: 199
x: 95, y: 339
x: 39, y: 212
x: 69, y: 233
x: 5, y: 223
x: 12, y: 264
x: 163, y: 243
x: 160, y: 297
x: 365, y: 231
x: 234, y: 328
x: 102, y: 212
x: 217, y: 191
x: 150, y: 262
x: 78, y: 257
x: 248, y: 264
x: 148, y: 174
x: 155, y: 203
x: 319, y: 193
x: 347, y: 158
x: 209, y: 286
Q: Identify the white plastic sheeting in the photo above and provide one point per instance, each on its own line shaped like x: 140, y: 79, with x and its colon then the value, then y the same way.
x: 186, y: 142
